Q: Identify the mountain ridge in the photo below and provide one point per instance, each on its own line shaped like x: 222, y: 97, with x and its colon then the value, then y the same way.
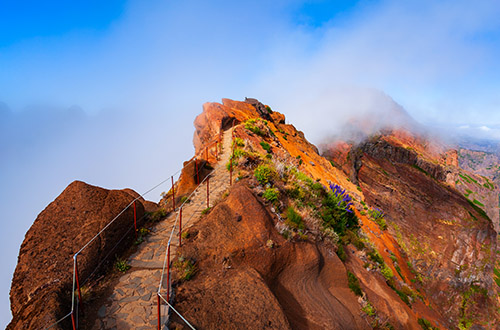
x: 382, y: 233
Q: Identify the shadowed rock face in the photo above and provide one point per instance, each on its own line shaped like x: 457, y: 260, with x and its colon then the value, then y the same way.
x: 41, y: 287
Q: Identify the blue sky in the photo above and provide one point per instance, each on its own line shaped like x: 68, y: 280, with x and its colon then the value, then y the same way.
x: 106, y: 91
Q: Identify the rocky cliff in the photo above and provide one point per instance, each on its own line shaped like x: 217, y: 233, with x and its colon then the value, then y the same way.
x: 442, y: 217
x: 41, y: 287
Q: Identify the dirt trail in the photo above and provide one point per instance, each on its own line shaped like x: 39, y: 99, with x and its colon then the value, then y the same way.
x: 133, y: 303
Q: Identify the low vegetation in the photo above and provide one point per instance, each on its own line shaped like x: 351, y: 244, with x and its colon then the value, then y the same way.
x: 378, y: 216
x: 121, y: 265
x: 264, y: 174
x: 266, y: 146
x: 293, y: 219
x: 353, y: 283
x: 271, y: 195
x: 426, y: 325
x: 186, y: 268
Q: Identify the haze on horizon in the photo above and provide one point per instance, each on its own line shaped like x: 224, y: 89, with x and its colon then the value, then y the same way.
x: 107, y: 92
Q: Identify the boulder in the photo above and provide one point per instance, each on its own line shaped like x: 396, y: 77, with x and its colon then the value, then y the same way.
x: 42, y: 283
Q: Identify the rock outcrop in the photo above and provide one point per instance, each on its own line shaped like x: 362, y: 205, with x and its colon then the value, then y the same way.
x: 41, y: 287
x: 245, y: 282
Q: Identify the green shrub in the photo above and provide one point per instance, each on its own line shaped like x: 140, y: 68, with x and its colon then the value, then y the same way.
x: 387, y: 272
x: 375, y: 256
x: 496, y: 271
x: 354, y: 284
x: 404, y: 297
x: 478, y: 209
x: 186, y: 268
x: 265, y: 146
x: 205, y: 211
x: 296, y: 192
x: 122, y: 265
x: 238, y: 142
x: 398, y: 269
x: 426, y: 325
x: 378, y: 216
x: 420, y: 169
x: 250, y: 125
x: 341, y: 253
x: 268, y: 108
x: 353, y: 238
x: 271, y: 195
x: 184, y: 199
x: 264, y: 174
x: 185, y: 235
x: 293, y: 219
x: 475, y: 201
x: 369, y: 309
x: 335, y: 215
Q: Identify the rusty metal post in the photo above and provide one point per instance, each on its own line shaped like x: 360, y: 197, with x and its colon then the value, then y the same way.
x: 159, y: 311
x: 78, y: 283
x: 173, y: 193
x: 206, y: 153
x: 231, y: 170
x: 135, y: 220
x: 180, y: 227
x: 73, y: 320
x: 208, y: 192
x: 168, y: 273
x: 197, y: 174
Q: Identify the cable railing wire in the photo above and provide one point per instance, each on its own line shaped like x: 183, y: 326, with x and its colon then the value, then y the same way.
x: 169, y: 305
x: 74, y: 306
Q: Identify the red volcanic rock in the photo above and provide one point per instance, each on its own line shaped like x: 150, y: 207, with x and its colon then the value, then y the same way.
x: 41, y: 287
x: 217, y: 117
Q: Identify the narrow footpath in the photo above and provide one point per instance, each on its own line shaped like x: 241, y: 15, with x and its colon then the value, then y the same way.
x: 133, y: 303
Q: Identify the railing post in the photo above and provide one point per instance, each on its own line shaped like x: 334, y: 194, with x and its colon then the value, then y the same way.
x: 159, y: 311
x: 231, y: 170
x: 73, y: 320
x: 135, y: 221
x: 180, y: 227
x: 197, y: 174
x: 220, y: 142
x: 208, y: 192
x: 173, y: 192
x: 78, y: 283
x: 168, y: 273
x: 206, y: 153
